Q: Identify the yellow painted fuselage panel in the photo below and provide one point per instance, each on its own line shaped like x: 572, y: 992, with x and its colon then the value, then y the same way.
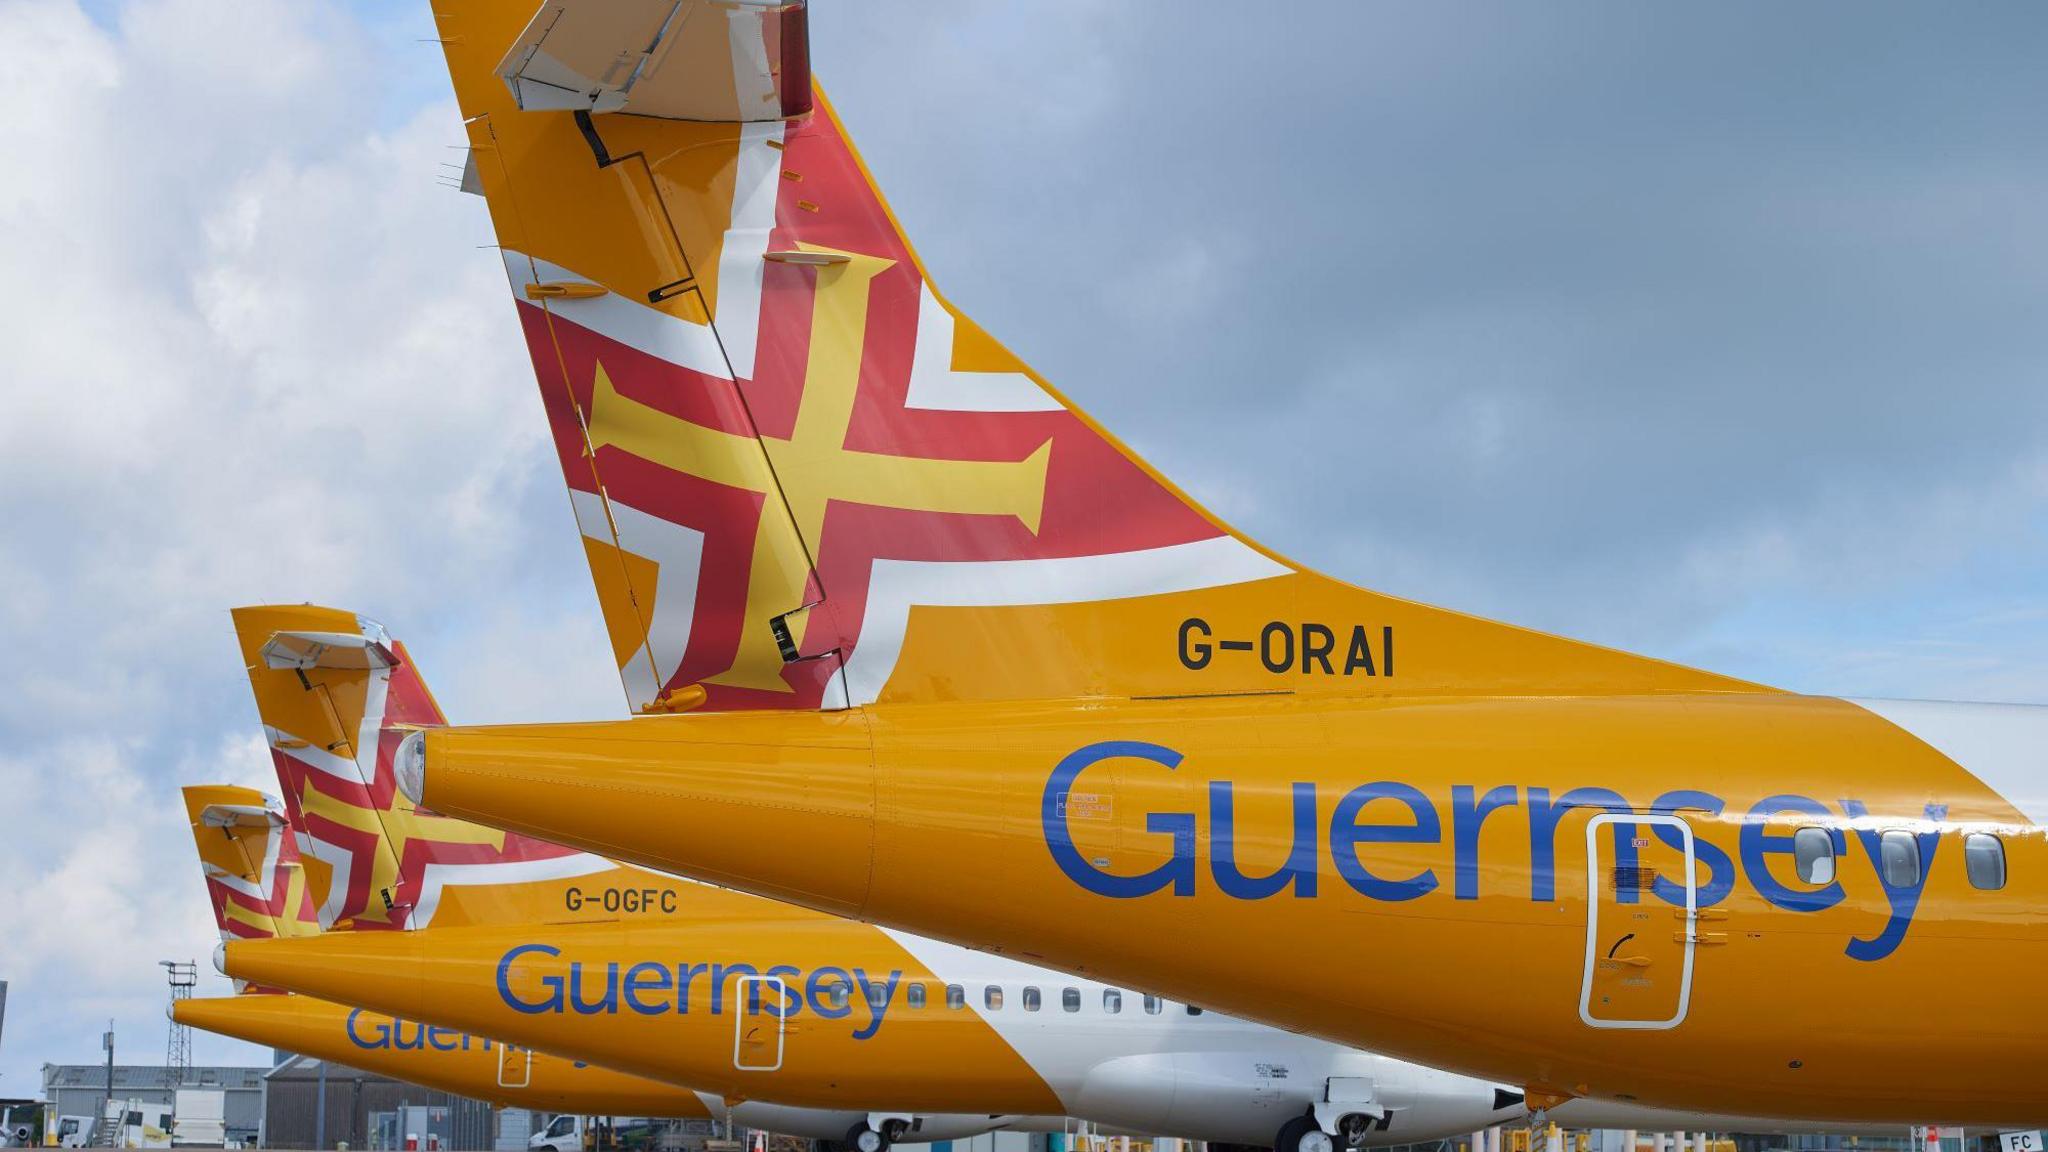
x: 1409, y: 874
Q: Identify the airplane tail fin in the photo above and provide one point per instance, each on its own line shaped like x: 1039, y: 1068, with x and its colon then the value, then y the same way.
x: 336, y: 696
x: 805, y: 480
x: 251, y: 863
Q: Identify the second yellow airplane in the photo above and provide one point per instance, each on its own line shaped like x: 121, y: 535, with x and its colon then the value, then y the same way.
x: 256, y: 884
x: 258, y: 891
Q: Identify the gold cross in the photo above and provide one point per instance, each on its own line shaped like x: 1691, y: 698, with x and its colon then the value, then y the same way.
x: 813, y: 466
x: 388, y: 835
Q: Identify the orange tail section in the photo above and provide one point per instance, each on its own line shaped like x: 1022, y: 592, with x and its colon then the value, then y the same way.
x: 251, y: 863
x: 804, y: 479
x: 336, y: 696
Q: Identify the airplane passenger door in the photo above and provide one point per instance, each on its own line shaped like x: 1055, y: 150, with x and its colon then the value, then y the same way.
x: 515, y: 1066
x: 762, y: 1023
x: 1642, y: 912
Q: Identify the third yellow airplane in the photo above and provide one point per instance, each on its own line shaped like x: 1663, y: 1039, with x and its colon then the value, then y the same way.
x: 919, y: 642
x: 257, y: 887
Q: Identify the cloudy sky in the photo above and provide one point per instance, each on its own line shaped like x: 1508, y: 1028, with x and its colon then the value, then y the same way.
x: 1712, y: 332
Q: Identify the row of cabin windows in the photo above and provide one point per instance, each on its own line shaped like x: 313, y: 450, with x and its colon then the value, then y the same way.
x: 1032, y: 1000
x: 914, y: 996
x: 1898, y: 857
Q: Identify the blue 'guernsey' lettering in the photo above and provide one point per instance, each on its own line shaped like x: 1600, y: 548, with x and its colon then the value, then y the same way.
x: 658, y: 988
x: 386, y: 1033
x: 1393, y: 812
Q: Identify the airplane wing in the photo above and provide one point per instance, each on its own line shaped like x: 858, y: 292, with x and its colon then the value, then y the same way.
x: 712, y: 60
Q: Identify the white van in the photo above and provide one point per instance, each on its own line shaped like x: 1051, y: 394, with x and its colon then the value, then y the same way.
x: 563, y: 1133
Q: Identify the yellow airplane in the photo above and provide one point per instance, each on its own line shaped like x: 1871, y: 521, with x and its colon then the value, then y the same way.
x: 256, y: 883
x: 776, y: 1011
x: 258, y: 891
x: 920, y: 643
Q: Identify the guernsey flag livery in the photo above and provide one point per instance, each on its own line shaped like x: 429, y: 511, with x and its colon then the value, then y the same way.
x: 336, y: 696
x: 804, y: 480
x: 779, y: 442
x: 251, y: 863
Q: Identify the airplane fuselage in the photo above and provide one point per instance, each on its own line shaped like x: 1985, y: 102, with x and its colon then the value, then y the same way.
x: 1627, y: 869
x: 447, y: 1059
x: 813, y: 1013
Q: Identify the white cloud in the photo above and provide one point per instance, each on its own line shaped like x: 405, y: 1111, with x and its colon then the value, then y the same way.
x: 254, y: 355
x: 101, y: 849
x: 1844, y: 543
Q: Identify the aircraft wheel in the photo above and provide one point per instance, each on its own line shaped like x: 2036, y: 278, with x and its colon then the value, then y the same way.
x: 861, y: 1138
x: 1303, y: 1134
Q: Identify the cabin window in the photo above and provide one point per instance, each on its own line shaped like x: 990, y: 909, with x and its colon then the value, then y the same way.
x: 1813, y: 855
x: 913, y: 994
x: 1900, y: 853
x: 956, y: 997
x: 1984, y: 858
x: 1112, y: 1001
x: 878, y: 994
x: 836, y: 996
x: 1031, y: 999
x: 1070, y: 1000
x: 1153, y: 1005
x: 992, y: 998
x: 1194, y: 1011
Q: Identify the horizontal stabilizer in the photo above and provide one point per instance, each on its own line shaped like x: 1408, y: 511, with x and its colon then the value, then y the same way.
x: 340, y: 650
x: 239, y: 816
x: 710, y: 60
x: 213, y: 871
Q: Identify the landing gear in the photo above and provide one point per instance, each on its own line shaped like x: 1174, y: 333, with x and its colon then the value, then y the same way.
x: 867, y: 1137
x: 1352, y: 1128
x: 1303, y: 1134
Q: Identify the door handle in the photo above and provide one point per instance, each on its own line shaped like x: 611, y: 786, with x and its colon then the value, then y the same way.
x: 1699, y: 938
